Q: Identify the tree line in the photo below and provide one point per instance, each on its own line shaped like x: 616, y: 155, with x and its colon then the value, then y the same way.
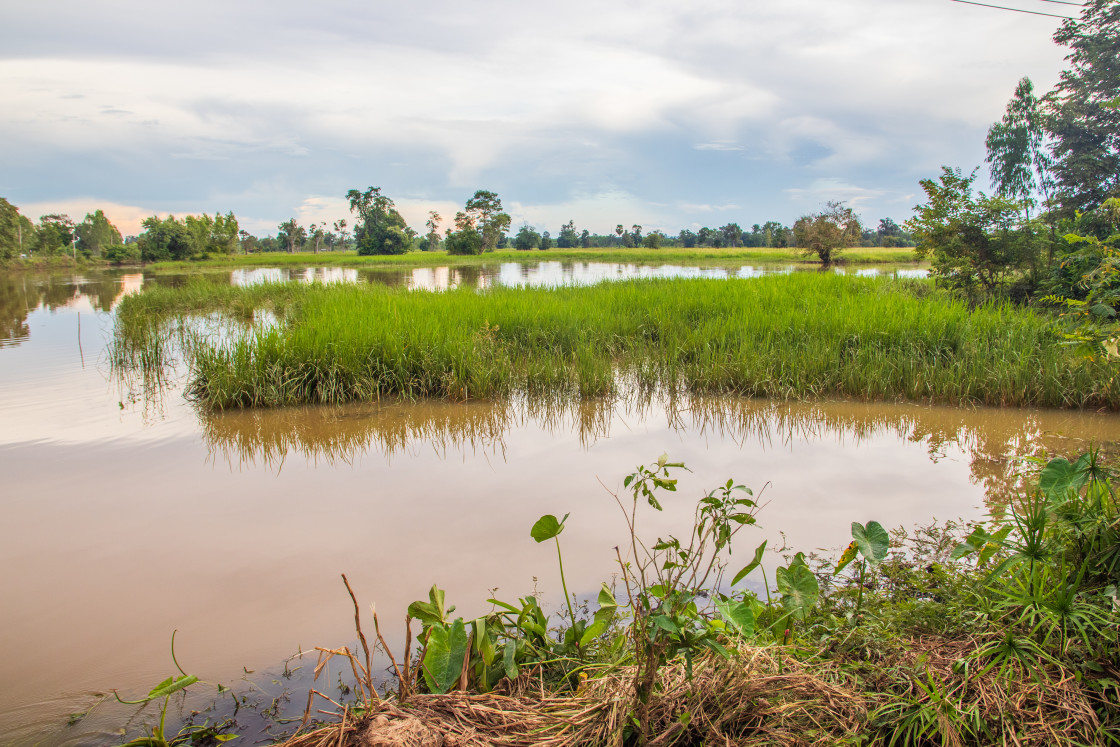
x: 377, y: 228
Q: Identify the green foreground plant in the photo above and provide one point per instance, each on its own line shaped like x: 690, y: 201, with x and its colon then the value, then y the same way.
x: 1000, y: 634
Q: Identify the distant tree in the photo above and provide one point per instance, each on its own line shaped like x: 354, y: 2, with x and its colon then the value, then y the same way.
x: 828, y: 232
x: 635, y: 235
x: 432, y: 225
x: 620, y: 230
x: 527, y: 238
x: 485, y: 209
x: 709, y: 237
x: 653, y: 240
x: 1080, y: 113
x: 10, y: 231
x: 585, y: 239
x: 249, y: 243
x: 732, y: 235
x: 316, y: 234
x: 687, y: 238
x: 546, y: 241
x: 55, y: 233
x: 95, y: 233
x: 341, y: 232
x: 568, y: 237
x: 291, y: 235
x: 164, y: 239
x: 380, y: 229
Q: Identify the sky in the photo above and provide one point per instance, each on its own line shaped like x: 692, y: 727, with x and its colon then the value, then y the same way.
x: 670, y: 115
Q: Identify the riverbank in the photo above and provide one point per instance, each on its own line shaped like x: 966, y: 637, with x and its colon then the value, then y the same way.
x: 787, y: 337
x: 702, y: 255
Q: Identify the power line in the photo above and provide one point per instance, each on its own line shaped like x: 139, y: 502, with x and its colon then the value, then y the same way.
x: 1017, y: 10
x: 1064, y: 2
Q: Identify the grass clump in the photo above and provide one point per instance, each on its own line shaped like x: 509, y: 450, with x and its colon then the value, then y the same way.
x: 788, y: 336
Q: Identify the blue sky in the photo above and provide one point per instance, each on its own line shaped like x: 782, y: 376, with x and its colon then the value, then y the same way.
x: 666, y: 114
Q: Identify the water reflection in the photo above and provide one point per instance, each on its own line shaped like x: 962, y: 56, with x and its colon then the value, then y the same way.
x: 22, y: 293
x: 997, y: 442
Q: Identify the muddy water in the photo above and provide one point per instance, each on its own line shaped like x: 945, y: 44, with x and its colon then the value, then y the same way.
x: 128, y: 515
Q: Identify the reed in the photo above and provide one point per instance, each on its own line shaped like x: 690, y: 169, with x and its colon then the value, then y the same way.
x: 787, y: 337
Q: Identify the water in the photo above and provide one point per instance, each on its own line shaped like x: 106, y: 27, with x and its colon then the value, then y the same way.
x: 129, y: 515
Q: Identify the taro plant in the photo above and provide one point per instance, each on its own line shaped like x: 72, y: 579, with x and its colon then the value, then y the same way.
x: 870, y: 545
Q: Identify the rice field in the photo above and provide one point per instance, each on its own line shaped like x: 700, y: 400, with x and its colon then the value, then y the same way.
x: 788, y: 336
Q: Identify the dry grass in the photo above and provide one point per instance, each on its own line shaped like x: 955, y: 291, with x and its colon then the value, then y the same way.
x: 761, y: 696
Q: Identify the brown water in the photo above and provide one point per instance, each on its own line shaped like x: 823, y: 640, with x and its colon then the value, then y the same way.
x: 128, y: 515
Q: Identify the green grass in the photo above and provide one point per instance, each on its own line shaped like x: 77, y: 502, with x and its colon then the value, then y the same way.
x: 424, y: 259
x: 791, y: 336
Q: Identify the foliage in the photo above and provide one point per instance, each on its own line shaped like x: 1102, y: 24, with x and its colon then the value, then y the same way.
x: 194, y: 237
x: 95, y: 233
x: 379, y: 228
x: 527, y: 238
x: 828, y: 232
x: 1089, y: 317
x: 1019, y: 163
x: 977, y: 244
x: 1082, y: 125
x: 484, y: 211
x: 10, y: 239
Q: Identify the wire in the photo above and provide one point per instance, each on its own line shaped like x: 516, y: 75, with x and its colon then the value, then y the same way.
x: 1064, y: 2
x: 1017, y: 10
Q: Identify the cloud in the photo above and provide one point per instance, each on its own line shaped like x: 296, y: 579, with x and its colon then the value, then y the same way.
x: 659, y: 114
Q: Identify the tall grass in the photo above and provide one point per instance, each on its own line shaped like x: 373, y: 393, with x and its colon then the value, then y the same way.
x: 792, y: 336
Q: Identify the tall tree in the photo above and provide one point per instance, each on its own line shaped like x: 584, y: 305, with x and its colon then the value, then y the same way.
x: 55, y: 234
x: 1081, y: 116
x: 1019, y: 164
x: 291, y: 234
x: 380, y: 229
x: 341, y: 232
x: 432, y: 237
x: 485, y: 210
x: 527, y: 238
x: 568, y: 237
x: 164, y: 239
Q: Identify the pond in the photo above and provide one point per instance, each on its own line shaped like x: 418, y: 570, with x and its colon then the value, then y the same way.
x: 130, y: 515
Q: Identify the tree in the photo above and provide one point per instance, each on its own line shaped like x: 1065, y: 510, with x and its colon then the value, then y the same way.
x: 977, y: 243
x: 568, y: 237
x: 687, y: 238
x: 585, y: 239
x: 316, y: 234
x: 653, y: 240
x: 546, y: 241
x: 1018, y: 162
x: 485, y: 210
x: 527, y: 238
x: 380, y: 229
x: 11, y: 238
x: 341, y: 232
x: 248, y: 242
x: 1080, y: 115
x: 164, y: 239
x: 291, y: 235
x: 828, y: 232
x: 732, y: 235
x: 95, y: 233
x: 56, y: 232
x: 432, y: 225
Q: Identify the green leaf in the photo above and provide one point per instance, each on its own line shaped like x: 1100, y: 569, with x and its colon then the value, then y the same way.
x: 509, y: 659
x: 972, y: 543
x: 666, y: 624
x: 658, y: 591
x: 606, y: 598
x: 443, y: 656
x: 738, y: 614
x: 755, y: 562
x: 592, y: 632
x: 1059, y: 476
x: 548, y: 527
x: 873, y: 541
x: 169, y: 686
x: 799, y: 589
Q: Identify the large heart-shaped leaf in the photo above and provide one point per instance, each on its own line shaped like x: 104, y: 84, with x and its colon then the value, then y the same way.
x: 444, y: 654
x: 873, y: 541
x: 799, y: 589
x: 1060, y: 476
x: 739, y: 615
x: 548, y: 527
